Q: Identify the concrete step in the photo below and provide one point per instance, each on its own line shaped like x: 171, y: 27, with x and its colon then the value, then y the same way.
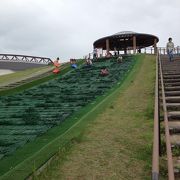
x: 175, y: 140
x: 171, y: 80
x: 174, y: 127
x: 172, y: 93
x: 170, y: 73
x: 171, y: 70
x: 171, y: 88
x: 171, y: 76
x: 173, y: 106
x: 174, y: 115
x: 176, y: 164
x: 171, y: 84
x: 174, y: 64
x: 173, y: 99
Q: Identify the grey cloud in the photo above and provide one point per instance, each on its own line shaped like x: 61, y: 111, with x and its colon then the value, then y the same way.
x: 68, y: 28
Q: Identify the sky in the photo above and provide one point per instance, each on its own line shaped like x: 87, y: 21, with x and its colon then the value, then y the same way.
x: 68, y: 28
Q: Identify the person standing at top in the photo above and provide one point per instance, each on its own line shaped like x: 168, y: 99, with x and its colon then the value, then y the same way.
x: 170, y: 49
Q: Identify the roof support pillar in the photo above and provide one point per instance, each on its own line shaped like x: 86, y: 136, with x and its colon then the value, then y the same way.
x: 125, y: 50
x: 107, y: 46
x: 134, y: 44
x: 155, y: 46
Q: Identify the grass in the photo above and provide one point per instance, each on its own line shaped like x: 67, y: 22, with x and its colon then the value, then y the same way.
x: 34, y: 154
x: 10, y: 78
x: 117, y: 142
x: 53, y: 111
x: 14, y: 76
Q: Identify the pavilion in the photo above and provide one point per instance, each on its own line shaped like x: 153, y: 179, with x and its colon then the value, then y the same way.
x: 126, y: 40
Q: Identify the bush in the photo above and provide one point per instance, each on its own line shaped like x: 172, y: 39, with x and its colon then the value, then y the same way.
x: 31, y: 116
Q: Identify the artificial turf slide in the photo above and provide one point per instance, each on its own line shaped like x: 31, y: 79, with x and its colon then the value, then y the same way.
x: 33, y: 154
x: 117, y: 144
x: 29, y: 114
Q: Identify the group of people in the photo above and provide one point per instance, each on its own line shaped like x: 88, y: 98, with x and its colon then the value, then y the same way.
x: 88, y: 64
x: 104, y: 72
x: 56, y: 64
x: 169, y: 48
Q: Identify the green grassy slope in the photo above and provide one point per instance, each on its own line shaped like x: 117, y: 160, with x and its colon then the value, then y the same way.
x: 34, y: 154
x: 117, y: 144
x: 16, y: 76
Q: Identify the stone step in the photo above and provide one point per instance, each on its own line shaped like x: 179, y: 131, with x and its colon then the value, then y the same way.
x: 170, y: 65
x: 173, y: 106
x: 175, y: 140
x: 171, y: 84
x: 173, y: 99
x: 172, y: 93
x: 170, y: 73
x: 171, y: 88
x: 176, y: 164
x: 171, y: 76
x: 171, y: 70
x: 171, y: 80
x: 174, y: 115
x: 174, y: 127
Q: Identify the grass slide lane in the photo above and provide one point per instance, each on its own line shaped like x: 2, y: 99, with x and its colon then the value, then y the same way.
x: 117, y: 144
x: 25, y: 167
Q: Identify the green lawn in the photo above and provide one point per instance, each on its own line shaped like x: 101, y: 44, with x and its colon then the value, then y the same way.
x: 17, y: 76
x: 33, y: 154
x: 117, y: 142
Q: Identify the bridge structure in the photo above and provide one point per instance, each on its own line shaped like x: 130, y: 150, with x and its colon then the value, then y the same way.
x: 24, y: 59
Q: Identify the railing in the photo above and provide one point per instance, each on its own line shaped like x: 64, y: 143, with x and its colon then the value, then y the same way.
x: 167, y: 135
x: 24, y: 58
x: 148, y: 50
x: 156, y: 141
x: 163, y: 50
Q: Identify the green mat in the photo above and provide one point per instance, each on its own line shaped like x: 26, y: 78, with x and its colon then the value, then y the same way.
x: 28, y: 114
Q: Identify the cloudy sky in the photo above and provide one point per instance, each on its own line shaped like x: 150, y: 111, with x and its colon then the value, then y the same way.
x: 68, y: 28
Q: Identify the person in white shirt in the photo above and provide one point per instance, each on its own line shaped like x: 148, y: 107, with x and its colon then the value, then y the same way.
x: 170, y: 49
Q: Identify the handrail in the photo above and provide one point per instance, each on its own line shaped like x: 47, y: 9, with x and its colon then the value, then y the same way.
x: 168, y: 144
x: 155, y: 160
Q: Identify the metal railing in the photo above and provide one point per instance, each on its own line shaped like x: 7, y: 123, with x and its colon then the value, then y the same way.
x: 167, y: 135
x: 163, y: 50
x: 146, y: 50
x: 24, y: 58
x: 156, y: 141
